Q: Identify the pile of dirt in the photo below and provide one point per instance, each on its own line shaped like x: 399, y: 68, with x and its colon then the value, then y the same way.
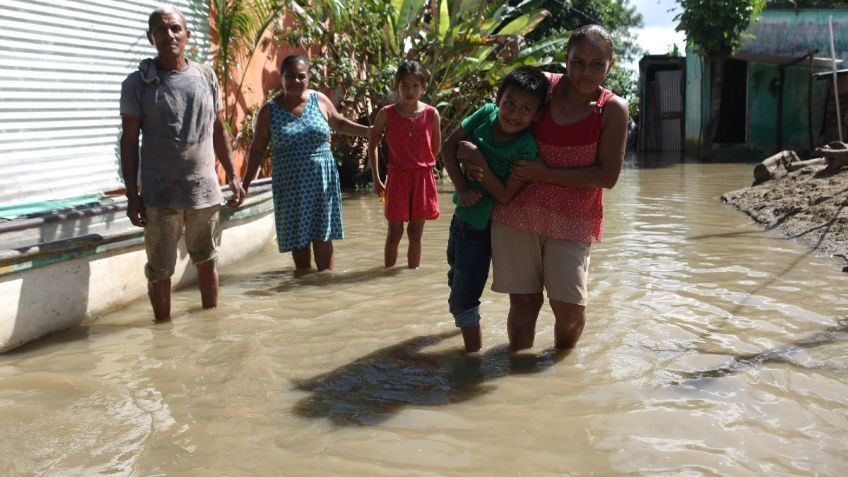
x: 809, y: 205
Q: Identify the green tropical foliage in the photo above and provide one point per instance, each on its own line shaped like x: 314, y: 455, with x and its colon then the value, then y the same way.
x: 239, y: 26
x: 467, y: 45
x: 618, y: 17
x: 716, y: 28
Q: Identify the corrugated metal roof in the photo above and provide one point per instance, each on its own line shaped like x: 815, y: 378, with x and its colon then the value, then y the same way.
x: 61, y: 67
x: 780, y: 36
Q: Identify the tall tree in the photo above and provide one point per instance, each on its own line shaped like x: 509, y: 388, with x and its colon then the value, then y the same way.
x: 238, y: 27
x: 716, y: 28
x: 619, y: 17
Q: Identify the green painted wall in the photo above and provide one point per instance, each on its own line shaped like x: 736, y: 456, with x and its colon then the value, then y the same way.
x: 762, y: 106
x: 780, y: 32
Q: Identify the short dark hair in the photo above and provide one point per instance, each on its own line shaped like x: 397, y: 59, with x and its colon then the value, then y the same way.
x: 597, y: 34
x: 162, y: 11
x: 292, y: 60
x: 526, y: 78
x: 411, y: 67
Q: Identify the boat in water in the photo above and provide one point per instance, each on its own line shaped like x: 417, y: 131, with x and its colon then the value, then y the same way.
x: 74, y: 263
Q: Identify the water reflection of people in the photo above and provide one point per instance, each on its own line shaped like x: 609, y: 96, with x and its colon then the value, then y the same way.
x: 541, y: 239
x: 376, y: 386
x: 307, y: 194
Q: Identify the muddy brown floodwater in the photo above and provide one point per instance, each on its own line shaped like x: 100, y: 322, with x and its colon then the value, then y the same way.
x: 711, y: 348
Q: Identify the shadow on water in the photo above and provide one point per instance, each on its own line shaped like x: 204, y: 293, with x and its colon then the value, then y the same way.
x: 742, y: 363
x: 377, y: 386
x: 278, y: 281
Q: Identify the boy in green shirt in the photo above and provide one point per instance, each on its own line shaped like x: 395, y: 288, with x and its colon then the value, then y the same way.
x: 501, y: 133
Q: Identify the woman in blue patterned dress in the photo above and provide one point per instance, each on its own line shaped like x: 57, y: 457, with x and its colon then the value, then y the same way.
x: 305, y: 180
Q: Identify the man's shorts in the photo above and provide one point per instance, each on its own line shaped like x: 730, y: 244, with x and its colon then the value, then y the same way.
x: 162, y: 233
x: 526, y: 263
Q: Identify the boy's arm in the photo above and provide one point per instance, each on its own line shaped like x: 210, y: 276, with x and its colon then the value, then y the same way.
x: 467, y: 196
x: 449, y: 158
x: 373, y: 142
x: 503, y: 192
x: 603, y: 172
x: 506, y: 191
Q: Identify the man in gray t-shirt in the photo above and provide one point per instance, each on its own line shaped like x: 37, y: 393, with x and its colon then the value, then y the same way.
x: 174, y: 106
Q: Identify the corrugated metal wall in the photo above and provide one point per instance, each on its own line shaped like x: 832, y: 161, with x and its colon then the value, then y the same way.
x: 61, y: 67
x: 670, y: 109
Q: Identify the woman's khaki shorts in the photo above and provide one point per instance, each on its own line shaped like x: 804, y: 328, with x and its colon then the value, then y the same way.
x: 162, y: 233
x: 527, y: 263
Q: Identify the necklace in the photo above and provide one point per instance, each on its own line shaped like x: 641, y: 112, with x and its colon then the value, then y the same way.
x: 410, y: 124
x: 409, y: 120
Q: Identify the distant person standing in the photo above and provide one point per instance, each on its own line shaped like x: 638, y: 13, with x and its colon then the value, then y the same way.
x: 174, y: 105
x: 304, y: 177
x: 412, y: 133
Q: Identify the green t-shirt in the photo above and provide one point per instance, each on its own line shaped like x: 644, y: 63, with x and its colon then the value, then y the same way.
x: 480, y: 126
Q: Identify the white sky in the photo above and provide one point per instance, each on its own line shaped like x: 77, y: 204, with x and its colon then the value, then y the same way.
x: 658, y: 35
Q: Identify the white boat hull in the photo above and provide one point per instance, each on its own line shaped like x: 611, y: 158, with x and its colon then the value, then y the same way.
x: 89, y: 279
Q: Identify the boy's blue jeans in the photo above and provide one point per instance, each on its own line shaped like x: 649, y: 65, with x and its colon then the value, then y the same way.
x: 469, y: 255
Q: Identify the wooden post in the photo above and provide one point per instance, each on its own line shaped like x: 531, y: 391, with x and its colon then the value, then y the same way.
x: 774, y: 167
x: 794, y: 166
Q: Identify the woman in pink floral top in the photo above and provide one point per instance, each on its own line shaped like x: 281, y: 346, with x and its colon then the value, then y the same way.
x: 541, y: 239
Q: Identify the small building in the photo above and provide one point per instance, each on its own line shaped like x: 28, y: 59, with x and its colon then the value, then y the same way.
x: 774, y: 95
x: 662, y: 89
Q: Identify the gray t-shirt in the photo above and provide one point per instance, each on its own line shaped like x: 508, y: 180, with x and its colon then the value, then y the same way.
x: 177, y: 111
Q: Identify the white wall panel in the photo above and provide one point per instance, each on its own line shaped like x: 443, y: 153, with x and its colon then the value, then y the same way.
x: 61, y: 67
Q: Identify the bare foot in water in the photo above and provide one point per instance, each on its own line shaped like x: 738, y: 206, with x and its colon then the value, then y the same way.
x: 473, y: 338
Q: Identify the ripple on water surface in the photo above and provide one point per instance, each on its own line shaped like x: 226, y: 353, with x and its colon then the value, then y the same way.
x: 711, y: 348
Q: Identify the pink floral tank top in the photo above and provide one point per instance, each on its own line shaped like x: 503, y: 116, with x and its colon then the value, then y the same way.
x: 562, y: 213
x: 409, y: 139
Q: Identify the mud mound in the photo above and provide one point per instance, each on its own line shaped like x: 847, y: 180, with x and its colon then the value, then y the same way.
x: 809, y: 205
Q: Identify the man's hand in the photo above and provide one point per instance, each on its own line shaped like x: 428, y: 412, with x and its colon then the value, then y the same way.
x: 135, y: 210
x: 469, y: 198
x: 238, y: 192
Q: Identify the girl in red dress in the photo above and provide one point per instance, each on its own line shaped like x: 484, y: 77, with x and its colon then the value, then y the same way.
x: 412, y: 133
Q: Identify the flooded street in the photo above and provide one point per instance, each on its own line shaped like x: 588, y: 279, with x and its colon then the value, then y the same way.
x: 711, y: 348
